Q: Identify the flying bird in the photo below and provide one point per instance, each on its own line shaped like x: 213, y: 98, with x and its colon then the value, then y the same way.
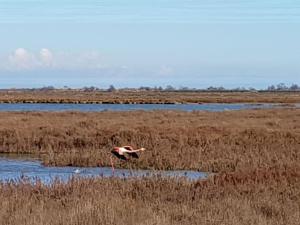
x: 122, y: 152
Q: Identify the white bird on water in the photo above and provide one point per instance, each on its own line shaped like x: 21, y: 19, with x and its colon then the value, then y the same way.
x: 77, y: 171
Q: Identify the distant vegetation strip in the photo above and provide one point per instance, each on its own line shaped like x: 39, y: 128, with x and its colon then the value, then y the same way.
x: 255, y: 196
x: 205, y: 141
x: 169, y: 88
x: 142, y: 96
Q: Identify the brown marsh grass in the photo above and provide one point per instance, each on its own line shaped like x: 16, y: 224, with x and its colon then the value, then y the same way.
x: 269, y: 196
x: 134, y: 97
x: 205, y: 141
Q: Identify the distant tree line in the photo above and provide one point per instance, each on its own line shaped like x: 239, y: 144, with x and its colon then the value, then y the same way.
x: 283, y: 87
x: 169, y: 88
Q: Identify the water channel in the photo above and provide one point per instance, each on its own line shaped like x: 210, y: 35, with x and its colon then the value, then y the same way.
x: 14, y: 167
x: 213, y: 107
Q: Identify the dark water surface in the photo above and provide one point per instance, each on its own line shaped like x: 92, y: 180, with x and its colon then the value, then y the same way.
x: 213, y: 107
x: 14, y: 167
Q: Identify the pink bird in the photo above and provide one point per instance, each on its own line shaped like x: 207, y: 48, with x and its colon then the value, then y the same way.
x: 121, y: 151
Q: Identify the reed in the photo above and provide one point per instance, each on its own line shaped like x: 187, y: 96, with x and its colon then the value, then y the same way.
x: 205, y: 141
x: 142, y: 97
x: 257, y: 196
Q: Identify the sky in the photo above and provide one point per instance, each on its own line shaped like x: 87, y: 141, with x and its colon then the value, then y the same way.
x: 132, y: 43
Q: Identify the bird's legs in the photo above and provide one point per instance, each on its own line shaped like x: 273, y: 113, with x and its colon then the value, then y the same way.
x: 131, y: 171
x: 112, y: 165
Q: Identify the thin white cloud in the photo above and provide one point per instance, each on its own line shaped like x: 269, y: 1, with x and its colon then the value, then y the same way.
x: 23, y: 59
x: 82, y: 60
x: 165, y: 70
x: 46, y: 57
x: 157, y: 11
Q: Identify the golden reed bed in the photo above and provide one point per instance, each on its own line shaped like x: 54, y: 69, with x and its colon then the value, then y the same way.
x: 255, y: 152
x: 258, y: 196
x: 205, y: 141
x: 77, y: 96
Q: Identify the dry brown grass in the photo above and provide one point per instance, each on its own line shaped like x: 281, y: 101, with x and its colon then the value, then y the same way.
x: 72, y: 96
x: 256, y: 152
x: 264, y: 197
x: 224, y: 141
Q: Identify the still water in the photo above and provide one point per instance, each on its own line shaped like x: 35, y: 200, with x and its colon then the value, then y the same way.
x: 14, y: 167
x: 213, y: 107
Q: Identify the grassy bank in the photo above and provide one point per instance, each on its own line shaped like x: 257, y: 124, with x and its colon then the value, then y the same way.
x: 265, y: 196
x: 134, y: 97
x: 224, y: 141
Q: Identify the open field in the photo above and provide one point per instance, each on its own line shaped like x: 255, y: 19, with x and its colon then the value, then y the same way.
x: 264, y: 197
x: 205, y: 141
x: 134, y: 97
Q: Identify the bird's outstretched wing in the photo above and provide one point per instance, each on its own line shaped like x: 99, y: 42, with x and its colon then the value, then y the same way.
x: 128, y: 147
x: 133, y: 154
x: 118, y: 155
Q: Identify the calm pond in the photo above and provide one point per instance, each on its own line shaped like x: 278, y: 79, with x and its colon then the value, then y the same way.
x: 213, y: 107
x: 13, y: 167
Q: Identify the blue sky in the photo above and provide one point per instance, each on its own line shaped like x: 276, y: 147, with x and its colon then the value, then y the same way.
x: 194, y: 43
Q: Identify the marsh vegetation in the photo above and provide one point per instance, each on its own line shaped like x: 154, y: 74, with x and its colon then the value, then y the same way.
x: 255, y: 154
x: 257, y: 196
x: 143, y: 96
x: 204, y: 141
